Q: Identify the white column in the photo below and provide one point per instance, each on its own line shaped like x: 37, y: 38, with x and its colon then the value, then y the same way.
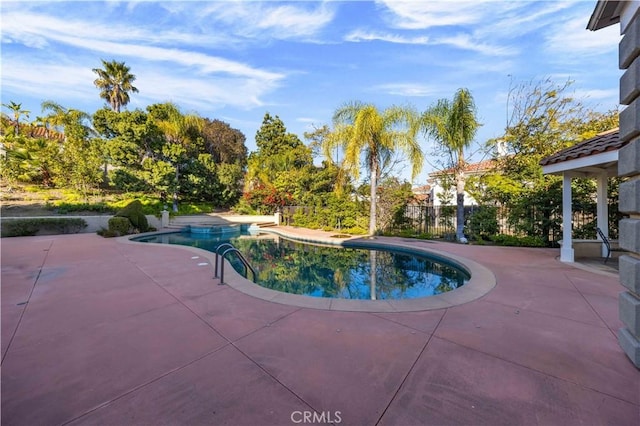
x: 566, y: 252
x: 603, y: 208
x: 164, y: 221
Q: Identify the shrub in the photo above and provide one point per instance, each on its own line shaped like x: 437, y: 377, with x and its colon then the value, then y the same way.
x: 119, y: 226
x: 45, y: 225
x: 483, y: 223
x: 127, y: 181
x: 107, y: 233
x: 512, y: 240
x: 409, y: 233
x: 134, y: 212
x: 65, y: 208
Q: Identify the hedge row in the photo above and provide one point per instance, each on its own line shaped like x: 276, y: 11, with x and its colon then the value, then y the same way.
x: 45, y: 225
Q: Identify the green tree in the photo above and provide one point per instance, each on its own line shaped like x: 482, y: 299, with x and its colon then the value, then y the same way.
x: 182, y: 135
x: 362, y: 131
x: 115, y: 81
x: 29, y: 159
x: 17, y: 112
x: 544, y: 118
x: 75, y: 124
x: 275, y: 170
x: 80, y: 155
x: 316, y: 139
x: 453, y: 125
x: 393, y: 197
x: 129, y: 136
x: 224, y: 143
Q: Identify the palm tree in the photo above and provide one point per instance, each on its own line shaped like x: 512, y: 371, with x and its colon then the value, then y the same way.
x: 18, y: 112
x: 361, y: 130
x: 179, y: 130
x: 453, y: 125
x: 115, y: 82
x: 74, y: 123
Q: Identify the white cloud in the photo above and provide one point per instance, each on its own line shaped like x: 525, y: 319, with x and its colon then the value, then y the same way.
x: 407, y: 89
x: 464, y: 41
x: 609, y: 95
x: 460, y: 41
x: 361, y: 35
x: 264, y: 20
x: 307, y: 120
x: 426, y: 14
x: 573, y: 39
x: 179, y: 73
x: 48, y: 80
x: 37, y: 30
x: 200, y: 94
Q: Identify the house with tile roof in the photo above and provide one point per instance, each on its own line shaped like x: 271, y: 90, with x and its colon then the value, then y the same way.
x: 442, y: 182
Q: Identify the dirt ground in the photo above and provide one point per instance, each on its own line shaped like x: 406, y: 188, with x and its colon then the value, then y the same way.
x: 24, y: 201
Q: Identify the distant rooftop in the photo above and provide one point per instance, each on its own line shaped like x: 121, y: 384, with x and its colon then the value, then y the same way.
x: 469, y: 169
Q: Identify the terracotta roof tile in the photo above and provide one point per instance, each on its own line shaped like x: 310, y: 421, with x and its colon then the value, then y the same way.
x: 470, y: 168
x: 603, y: 142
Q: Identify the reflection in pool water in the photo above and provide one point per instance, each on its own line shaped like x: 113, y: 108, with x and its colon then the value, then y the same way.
x: 328, y: 271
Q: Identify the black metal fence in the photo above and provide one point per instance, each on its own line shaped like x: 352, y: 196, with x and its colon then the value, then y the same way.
x: 440, y: 221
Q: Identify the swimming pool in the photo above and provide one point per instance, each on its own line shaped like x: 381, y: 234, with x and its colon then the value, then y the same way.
x: 350, y: 272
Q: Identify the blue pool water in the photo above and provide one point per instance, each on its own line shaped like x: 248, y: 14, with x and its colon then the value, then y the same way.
x: 328, y: 271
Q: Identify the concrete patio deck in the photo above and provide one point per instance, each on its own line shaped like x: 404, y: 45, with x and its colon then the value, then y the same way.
x: 95, y: 331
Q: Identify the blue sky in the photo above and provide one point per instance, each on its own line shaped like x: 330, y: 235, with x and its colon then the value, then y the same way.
x: 236, y: 60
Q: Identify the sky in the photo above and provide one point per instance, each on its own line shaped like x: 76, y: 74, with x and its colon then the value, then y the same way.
x: 301, y: 60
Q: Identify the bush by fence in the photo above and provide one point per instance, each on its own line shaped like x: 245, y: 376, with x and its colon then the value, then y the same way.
x: 481, y: 222
x: 534, y: 225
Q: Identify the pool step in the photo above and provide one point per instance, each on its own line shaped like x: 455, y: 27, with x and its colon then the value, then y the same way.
x: 182, y: 222
x: 265, y: 224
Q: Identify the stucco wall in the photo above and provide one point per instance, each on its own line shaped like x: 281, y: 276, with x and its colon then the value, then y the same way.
x: 94, y: 223
x: 629, y: 166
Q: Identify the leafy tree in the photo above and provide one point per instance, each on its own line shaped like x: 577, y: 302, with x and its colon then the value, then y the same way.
x: 115, y: 81
x: 129, y: 136
x: 230, y: 179
x: 544, y: 119
x: 29, y: 159
x: 75, y: 124
x: 316, y: 139
x: 277, y: 169
x: 224, y: 143
x: 17, y: 112
x: 182, y: 139
x: 77, y: 160
x: 453, y: 124
x: 146, y: 148
x: 365, y: 133
x: 393, y: 197
x: 278, y: 151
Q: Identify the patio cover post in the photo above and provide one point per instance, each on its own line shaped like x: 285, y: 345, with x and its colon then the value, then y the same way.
x: 602, y: 214
x: 566, y: 252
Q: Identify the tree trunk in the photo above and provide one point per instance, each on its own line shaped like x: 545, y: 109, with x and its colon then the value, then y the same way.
x: 373, y: 269
x: 460, y: 180
x: 373, y: 204
x: 175, y: 191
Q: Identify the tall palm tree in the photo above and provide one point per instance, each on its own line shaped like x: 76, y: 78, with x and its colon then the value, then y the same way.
x: 453, y: 125
x: 363, y: 131
x: 115, y: 82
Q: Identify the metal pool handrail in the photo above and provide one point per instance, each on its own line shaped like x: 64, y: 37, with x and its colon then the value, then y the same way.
x: 231, y: 249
